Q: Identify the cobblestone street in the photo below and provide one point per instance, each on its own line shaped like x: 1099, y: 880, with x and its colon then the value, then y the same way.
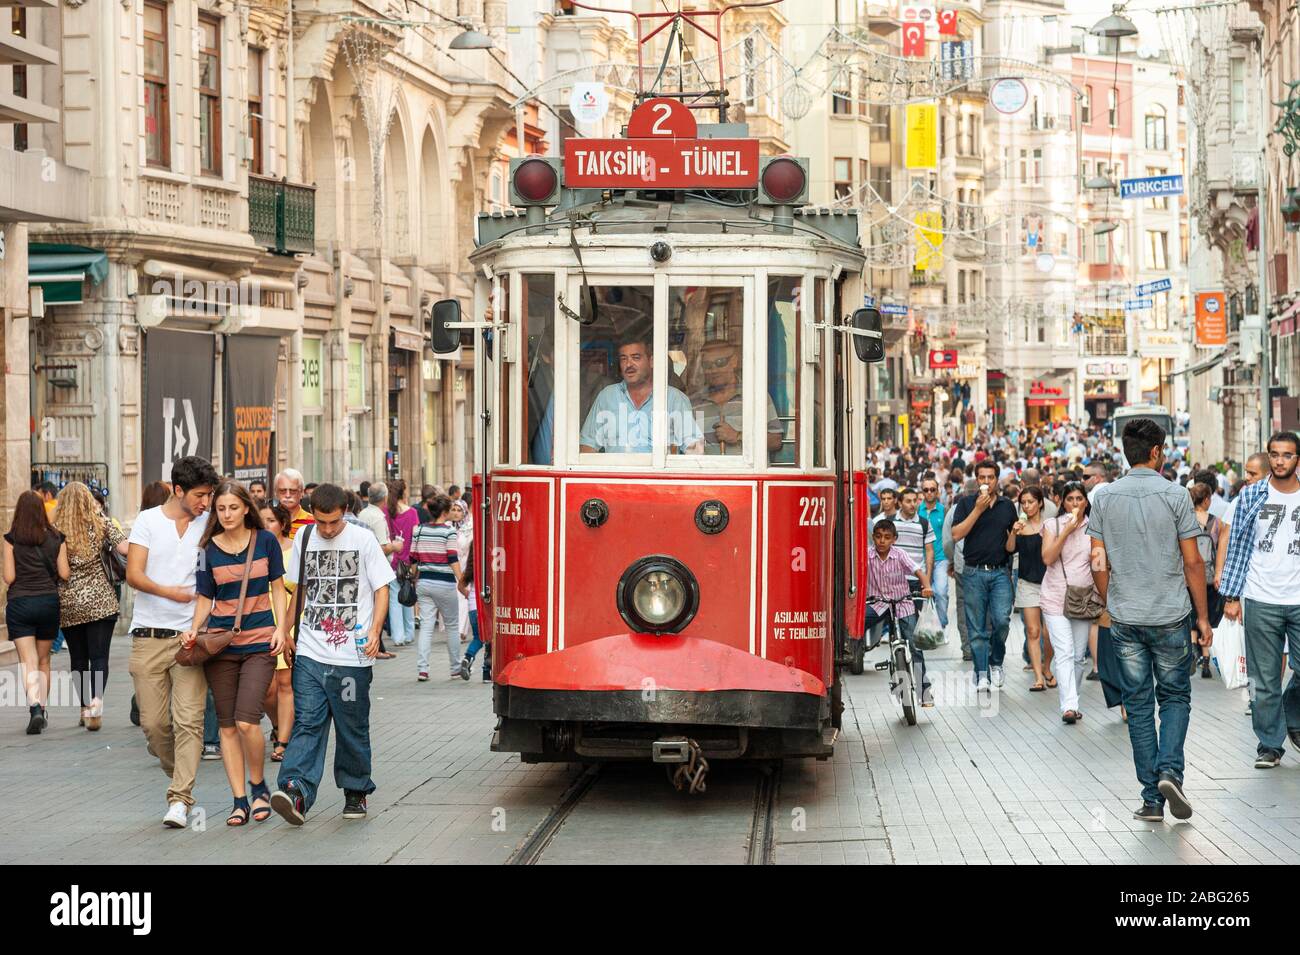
x: 1002, y: 784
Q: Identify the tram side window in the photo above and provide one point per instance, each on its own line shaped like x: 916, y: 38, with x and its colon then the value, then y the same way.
x: 819, y: 381
x: 783, y: 320
x: 539, y: 373
x: 706, y: 345
x: 616, y: 370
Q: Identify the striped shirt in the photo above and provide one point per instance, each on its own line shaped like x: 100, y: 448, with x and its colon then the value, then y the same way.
x: 887, y: 577
x: 219, y: 578
x: 300, y: 520
x: 433, y: 549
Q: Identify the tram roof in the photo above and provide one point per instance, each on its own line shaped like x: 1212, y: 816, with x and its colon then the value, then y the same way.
x: 678, y: 213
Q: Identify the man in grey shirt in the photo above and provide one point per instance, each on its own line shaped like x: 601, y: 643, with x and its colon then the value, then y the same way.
x: 1145, y: 563
x: 956, y: 565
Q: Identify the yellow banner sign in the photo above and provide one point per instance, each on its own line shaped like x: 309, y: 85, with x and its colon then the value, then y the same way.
x: 922, y: 140
x: 929, y: 241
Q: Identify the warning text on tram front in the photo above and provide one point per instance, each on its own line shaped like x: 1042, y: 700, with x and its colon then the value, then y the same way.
x: 661, y: 151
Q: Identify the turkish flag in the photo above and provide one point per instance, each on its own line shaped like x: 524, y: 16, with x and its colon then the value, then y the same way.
x: 947, y: 22
x: 914, y: 39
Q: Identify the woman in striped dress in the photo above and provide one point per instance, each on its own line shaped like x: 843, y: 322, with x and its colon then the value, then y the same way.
x: 434, y: 552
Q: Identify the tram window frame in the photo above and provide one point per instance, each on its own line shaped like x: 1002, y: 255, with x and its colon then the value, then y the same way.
x: 749, y: 454
x: 573, y: 420
x: 503, y: 295
x: 820, y: 394
x: 795, y: 356
x: 549, y: 321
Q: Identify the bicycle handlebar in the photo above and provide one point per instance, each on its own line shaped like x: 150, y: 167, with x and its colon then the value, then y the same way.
x: 892, y: 601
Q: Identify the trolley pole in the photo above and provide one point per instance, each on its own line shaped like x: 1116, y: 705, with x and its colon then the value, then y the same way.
x: 1265, y: 361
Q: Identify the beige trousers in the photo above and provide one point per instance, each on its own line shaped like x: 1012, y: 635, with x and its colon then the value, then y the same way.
x: 171, y: 700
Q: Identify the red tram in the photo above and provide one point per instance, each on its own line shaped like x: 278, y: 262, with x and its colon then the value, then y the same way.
x: 669, y: 385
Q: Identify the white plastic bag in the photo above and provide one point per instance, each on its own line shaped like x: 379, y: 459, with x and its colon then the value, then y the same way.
x: 929, y: 635
x: 1229, y: 649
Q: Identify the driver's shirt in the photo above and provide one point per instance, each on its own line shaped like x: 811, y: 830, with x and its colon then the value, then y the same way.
x: 616, y: 425
x: 709, y: 414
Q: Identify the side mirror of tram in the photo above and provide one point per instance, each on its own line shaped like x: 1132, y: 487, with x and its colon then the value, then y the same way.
x: 871, y: 346
x: 444, y: 340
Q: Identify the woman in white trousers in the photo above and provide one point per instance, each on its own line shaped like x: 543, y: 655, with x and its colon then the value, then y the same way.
x: 1067, y: 553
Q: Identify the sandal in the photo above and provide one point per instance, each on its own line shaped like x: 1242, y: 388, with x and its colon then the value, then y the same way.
x: 239, y: 815
x: 1038, y: 687
x: 261, y: 794
x: 277, y: 751
x: 1051, y: 682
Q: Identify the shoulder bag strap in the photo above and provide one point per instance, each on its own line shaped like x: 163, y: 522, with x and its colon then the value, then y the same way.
x: 49, y: 564
x: 243, y: 584
x: 299, y: 592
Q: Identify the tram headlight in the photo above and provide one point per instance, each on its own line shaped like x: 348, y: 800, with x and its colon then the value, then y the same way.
x: 658, y: 594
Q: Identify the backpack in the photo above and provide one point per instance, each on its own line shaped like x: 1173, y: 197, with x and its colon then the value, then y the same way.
x: 1207, y: 544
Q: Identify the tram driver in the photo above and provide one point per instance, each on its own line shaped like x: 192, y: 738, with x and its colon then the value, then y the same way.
x: 619, y: 421
x: 720, y: 405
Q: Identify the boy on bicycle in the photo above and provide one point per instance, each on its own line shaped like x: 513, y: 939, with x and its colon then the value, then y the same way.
x: 888, y: 568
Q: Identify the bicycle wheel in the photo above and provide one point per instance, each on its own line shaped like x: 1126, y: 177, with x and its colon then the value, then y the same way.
x: 906, y: 688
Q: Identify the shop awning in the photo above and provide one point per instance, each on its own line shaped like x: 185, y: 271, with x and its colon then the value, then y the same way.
x: 61, y: 270
x: 1201, y: 366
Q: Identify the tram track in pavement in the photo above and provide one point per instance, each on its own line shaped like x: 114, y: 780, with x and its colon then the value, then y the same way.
x: 734, y: 820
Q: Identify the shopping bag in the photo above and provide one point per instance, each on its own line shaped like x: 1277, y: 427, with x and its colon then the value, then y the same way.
x: 929, y: 635
x: 1229, y: 653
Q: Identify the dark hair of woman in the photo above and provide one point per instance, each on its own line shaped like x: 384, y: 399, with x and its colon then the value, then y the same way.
x: 252, y: 519
x: 396, y: 491
x: 30, y: 525
x: 1070, y: 488
x: 438, y: 508
x: 280, y: 512
x: 1033, y: 491
x: 155, y: 495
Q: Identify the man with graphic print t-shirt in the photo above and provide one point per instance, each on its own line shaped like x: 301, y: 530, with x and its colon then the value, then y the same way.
x: 344, y: 600
x: 1263, y: 566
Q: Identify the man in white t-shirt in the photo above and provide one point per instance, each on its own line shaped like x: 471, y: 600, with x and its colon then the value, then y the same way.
x: 1263, y: 567
x: 344, y: 599
x: 161, y: 560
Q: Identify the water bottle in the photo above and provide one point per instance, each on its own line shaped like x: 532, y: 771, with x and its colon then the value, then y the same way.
x: 361, y: 641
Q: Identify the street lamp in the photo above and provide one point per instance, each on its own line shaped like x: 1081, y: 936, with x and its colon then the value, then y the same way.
x: 1116, y: 26
x: 471, y: 39
x: 1101, y: 228
x: 1291, y: 210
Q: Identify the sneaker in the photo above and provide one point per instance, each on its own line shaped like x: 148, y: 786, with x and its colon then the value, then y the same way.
x: 1268, y: 759
x: 1094, y: 675
x: 487, y: 678
x: 1171, y: 787
x: 1150, y: 812
x: 455, y: 674
x: 1206, y: 673
x: 927, y: 696
x: 997, y: 676
x: 966, y: 656
x: 1295, y: 738
x: 211, y: 751
x: 288, y: 802
x: 354, y: 805
x: 982, y: 684
x: 177, y: 813
x: 135, y: 711
x: 38, y: 721
x: 465, y: 664
x: 422, y: 676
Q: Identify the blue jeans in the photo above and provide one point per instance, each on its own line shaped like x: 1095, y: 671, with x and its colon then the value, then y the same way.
x: 1160, y: 654
x: 211, y: 731
x: 906, y: 630
x: 988, y: 599
x: 476, y: 645
x: 1268, y: 626
x: 323, y: 693
x: 401, y: 620
x: 939, y: 583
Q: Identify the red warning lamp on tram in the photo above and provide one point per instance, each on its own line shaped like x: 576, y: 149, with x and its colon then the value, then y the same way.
x: 535, y: 181
x: 782, y: 181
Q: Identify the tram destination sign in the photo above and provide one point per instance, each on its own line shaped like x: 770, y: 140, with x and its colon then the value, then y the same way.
x: 662, y: 151
x: 1151, y: 186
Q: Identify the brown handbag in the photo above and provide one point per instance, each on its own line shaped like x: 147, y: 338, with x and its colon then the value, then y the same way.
x: 210, y: 643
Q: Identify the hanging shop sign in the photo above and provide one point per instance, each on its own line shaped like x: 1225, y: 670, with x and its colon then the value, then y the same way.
x: 661, y: 151
x: 1211, y: 319
x: 943, y: 358
x: 249, y: 387
x: 589, y: 102
x: 929, y: 241
x: 1151, y: 288
x: 957, y: 59
x: 179, y: 387
x: 356, y: 374
x: 1138, y: 304
x: 311, y: 373
x: 1009, y: 95
x: 1150, y: 186
x: 922, y: 135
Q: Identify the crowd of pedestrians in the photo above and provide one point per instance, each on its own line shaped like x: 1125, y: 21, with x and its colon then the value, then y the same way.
x: 1120, y: 556
x: 244, y: 606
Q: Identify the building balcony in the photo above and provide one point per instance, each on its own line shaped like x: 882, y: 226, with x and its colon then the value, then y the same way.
x: 1105, y: 343
x: 282, y: 215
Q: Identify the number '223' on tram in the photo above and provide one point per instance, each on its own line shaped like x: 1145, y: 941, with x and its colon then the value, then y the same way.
x: 668, y: 358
